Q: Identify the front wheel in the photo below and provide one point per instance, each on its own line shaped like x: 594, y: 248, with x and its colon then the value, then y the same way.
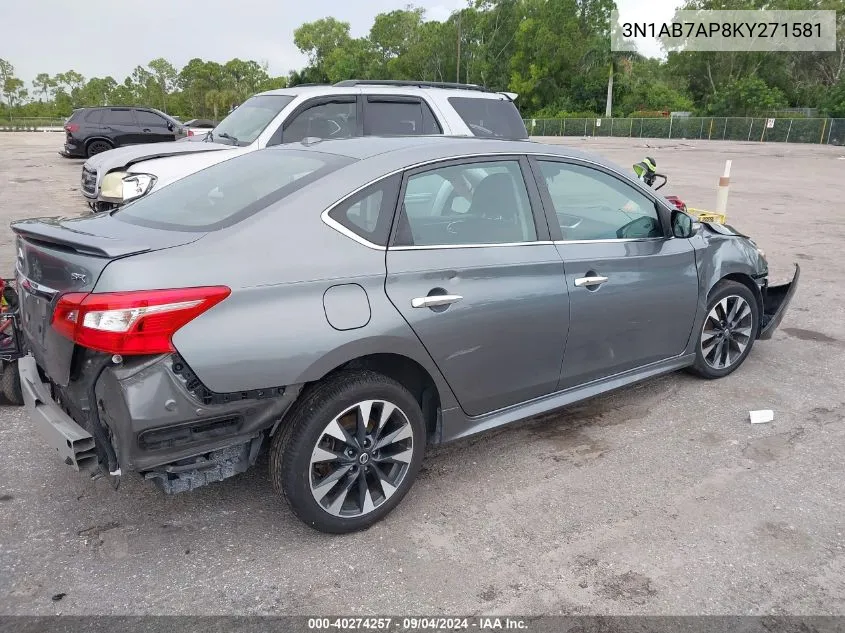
x: 349, y: 452
x: 728, y: 332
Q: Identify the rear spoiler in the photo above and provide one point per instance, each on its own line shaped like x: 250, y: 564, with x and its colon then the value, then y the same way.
x: 48, y: 231
x: 510, y: 95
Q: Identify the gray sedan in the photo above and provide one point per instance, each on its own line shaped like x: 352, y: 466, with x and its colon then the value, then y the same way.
x: 346, y: 303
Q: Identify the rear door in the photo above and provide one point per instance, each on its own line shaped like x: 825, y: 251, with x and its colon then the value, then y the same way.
x: 154, y: 127
x: 633, y: 289
x: 470, y: 267
x: 120, y: 126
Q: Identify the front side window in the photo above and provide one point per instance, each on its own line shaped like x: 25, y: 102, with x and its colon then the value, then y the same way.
x: 248, y: 120
x: 229, y: 191
x: 336, y: 119
x: 150, y: 119
x: 593, y: 205
x: 470, y: 203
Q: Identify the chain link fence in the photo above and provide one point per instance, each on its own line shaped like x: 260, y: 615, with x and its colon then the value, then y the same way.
x: 28, y: 124
x: 799, y: 130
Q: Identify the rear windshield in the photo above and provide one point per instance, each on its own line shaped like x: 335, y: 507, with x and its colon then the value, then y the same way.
x: 226, y: 193
x: 493, y: 118
x: 248, y: 120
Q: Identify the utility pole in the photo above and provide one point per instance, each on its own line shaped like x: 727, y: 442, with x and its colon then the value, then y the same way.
x: 458, y: 71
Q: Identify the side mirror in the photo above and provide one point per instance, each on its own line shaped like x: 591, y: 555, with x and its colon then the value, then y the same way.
x: 683, y: 225
x: 169, y: 126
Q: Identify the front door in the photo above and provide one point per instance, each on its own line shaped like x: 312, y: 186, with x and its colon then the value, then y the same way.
x: 471, y: 269
x: 633, y: 290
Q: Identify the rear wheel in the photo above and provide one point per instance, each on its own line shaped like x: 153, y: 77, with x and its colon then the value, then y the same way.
x: 728, y: 332
x: 96, y: 147
x: 349, y: 452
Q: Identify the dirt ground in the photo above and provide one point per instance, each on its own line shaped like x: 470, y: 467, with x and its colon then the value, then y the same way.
x: 658, y: 499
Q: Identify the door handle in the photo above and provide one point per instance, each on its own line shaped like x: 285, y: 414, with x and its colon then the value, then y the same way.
x: 434, y: 300
x: 590, y: 281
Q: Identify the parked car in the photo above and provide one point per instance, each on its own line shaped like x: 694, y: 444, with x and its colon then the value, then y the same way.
x: 195, y: 127
x: 343, y: 110
x: 91, y: 131
x: 359, y: 300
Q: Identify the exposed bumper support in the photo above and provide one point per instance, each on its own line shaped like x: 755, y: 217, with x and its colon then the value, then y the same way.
x: 74, y: 444
x: 775, y: 302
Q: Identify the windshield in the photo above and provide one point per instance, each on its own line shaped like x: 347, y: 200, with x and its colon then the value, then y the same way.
x: 248, y: 120
x: 226, y: 193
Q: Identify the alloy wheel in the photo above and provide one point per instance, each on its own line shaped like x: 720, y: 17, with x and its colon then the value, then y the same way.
x: 726, y: 332
x: 361, y: 457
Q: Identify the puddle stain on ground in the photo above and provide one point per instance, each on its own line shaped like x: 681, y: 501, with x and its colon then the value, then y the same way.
x: 809, y: 335
x: 772, y: 447
x: 631, y: 586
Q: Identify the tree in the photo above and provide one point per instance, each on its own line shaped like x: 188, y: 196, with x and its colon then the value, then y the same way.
x: 318, y: 39
x: 748, y: 95
x: 44, y: 84
x: 165, y: 76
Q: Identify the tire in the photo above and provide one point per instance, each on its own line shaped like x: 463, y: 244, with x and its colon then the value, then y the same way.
x: 732, y: 322
x: 11, y: 384
x: 97, y: 147
x: 327, y: 412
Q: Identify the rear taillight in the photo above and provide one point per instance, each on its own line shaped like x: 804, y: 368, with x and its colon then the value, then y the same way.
x: 132, y: 323
x: 190, y: 132
x: 72, y: 127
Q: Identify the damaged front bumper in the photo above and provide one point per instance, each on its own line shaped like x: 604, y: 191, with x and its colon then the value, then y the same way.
x: 775, y: 302
x: 158, y: 419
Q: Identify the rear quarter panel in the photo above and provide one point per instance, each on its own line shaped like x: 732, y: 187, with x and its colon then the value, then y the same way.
x: 273, y: 330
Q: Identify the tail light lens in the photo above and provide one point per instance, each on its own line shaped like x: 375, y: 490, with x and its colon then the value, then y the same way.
x: 72, y: 127
x: 190, y: 132
x: 132, y: 323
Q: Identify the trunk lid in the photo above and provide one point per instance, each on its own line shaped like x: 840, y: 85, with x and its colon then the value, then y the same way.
x: 61, y: 255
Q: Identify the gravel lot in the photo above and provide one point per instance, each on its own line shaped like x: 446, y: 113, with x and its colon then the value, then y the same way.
x: 658, y: 499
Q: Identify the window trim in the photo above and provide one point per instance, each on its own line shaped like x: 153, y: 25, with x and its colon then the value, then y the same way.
x: 551, y: 214
x: 531, y: 158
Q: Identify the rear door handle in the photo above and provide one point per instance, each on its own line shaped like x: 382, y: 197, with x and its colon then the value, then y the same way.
x: 434, y: 300
x: 590, y: 281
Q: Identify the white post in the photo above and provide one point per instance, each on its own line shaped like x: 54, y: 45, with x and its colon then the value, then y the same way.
x: 722, y: 191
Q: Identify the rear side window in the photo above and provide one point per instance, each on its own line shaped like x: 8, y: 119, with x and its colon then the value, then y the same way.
x: 226, y: 193
x: 494, y: 118
x: 384, y: 116
x: 93, y: 116
x: 118, y: 117
x: 369, y: 213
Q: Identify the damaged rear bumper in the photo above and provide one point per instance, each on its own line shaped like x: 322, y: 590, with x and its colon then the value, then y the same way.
x: 775, y: 302
x: 158, y: 418
x: 74, y: 444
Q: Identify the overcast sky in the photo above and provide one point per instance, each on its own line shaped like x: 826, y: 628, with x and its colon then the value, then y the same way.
x: 104, y: 37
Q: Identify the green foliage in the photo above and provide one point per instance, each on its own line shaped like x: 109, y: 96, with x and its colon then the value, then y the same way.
x: 554, y: 54
x: 834, y: 103
x: 746, y: 95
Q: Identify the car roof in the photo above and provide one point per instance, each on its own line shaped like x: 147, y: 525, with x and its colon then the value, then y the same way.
x: 406, y: 150
x: 382, y: 89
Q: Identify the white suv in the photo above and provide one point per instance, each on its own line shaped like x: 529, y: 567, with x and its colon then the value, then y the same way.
x: 290, y: 115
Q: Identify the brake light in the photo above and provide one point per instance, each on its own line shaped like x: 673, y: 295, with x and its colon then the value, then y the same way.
x: 132, y: 323
x: 72, y: 127
x: 190, y: 132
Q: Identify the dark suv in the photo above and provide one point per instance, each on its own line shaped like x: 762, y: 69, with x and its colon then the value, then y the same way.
x: 94, y: 130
